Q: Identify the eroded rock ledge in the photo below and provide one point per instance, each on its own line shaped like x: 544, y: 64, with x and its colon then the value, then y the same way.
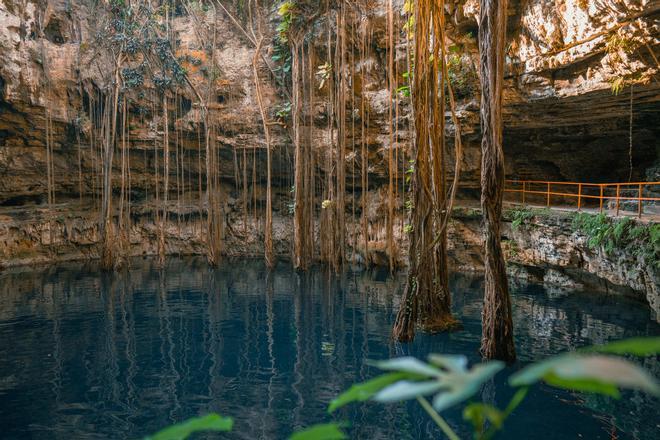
x: 546, y: 248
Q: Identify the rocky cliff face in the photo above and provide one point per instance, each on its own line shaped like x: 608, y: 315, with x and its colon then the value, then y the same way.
x: 569, y: 104
x: 563, y: 121
x: 549, y: 249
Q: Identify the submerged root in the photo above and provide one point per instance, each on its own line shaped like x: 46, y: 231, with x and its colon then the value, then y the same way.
x: 111, y: 255
x: 404, y: 329
x: 442, y: 324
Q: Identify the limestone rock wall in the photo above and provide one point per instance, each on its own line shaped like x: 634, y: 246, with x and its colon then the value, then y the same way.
x: 549, y: 249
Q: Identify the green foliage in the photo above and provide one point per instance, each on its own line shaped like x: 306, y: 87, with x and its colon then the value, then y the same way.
x: 133, y: 77
x: 409, y: 25
x: 479, y: 414
x: 404, y: 91
x: 286, y: 18
x: 198, y: 6
x: 281, y: 53
x: 616, y: 45
x: 329, y: 431
x: 617, y: 84
x: 449, y: 379
x: 133, y: 33
x: 592, y: 373
x: 452, y: 382
x: 519, y: 216
x: 446, y: 376
x: 617, y: 42
x: 634, y: 346
x: 283, y: 111
x: 364, y: 391
x: 410, y: 170
x: 181, y: 431
x: 463, y: 76
x: 624, y: 233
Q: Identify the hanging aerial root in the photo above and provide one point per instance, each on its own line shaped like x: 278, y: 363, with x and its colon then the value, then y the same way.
x: 427, y: 298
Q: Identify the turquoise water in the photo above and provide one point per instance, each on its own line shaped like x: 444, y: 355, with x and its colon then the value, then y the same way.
x: 84, y: 354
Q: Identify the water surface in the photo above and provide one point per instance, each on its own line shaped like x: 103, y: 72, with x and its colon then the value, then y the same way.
x: 84, y: 354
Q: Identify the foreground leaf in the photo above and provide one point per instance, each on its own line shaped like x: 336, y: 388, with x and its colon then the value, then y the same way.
x: 329, y: 431
x: 181, y: 431
x: 463, y: 385
x: 479, y: 413
x: 406, y: 390
x: 583, y: 385
x: 634, y: 346
x: 452, y: 362
x: 409, y: 365
x: 361, y: 392
x: 588, y: 373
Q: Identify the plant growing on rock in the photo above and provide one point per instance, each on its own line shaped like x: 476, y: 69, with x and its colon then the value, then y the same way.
x: 462, y: 75
x: 519, y: 216
x: 624, y: 233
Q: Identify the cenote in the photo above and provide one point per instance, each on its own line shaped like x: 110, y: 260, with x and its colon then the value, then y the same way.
x: 91, y: 354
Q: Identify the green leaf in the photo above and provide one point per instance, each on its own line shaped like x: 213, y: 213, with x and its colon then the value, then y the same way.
x: 364, y: 391
x: 329, y: 431
x: 588, y: 373
x: 408, y: 365
x: 285, y: 8
x: 479, y: 413
x: 534, y: 373
x: 406, y: 390
x: 463, y: 385
x: 449, y: 362
x: 447, y: 399
x: 181, y: 431
x: 454, y: 383
x: 583, y: 385
x: 516, y: 400
x: 482, y: 372
x: 634, y: 346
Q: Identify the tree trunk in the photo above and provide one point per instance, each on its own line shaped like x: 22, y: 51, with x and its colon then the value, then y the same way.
x: 426, y: 296
x: 166, y: 183
x: 302, y: 241
x: 497, y: 333
x: 268, y: 225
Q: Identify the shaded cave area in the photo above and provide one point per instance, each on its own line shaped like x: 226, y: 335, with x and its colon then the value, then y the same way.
x: 598, y: 151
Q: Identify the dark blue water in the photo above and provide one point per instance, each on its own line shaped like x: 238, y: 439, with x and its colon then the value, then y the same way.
x: 90, y: 355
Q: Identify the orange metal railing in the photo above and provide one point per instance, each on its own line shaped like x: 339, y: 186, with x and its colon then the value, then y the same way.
x: 584, y: 193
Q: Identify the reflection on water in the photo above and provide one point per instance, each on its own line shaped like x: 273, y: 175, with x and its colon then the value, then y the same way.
x: 90, y: 355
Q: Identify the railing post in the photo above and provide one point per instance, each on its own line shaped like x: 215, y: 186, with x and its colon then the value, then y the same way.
x: 548, y: 193
x: 639, y: 209
x: 523, y: 193
x: 579, y: 197
x: 618, y: 192
x: 601, y: 198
